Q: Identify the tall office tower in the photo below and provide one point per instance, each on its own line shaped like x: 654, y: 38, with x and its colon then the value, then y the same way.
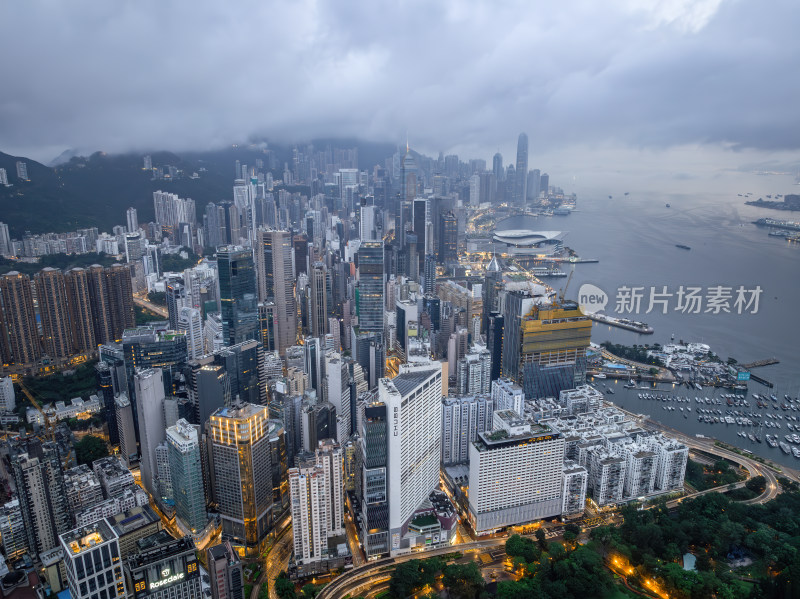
x: 372, y: 489
x: 176, y: 298
x: 507, y: 395
x: 22, y: 170
x: 317, y: 501
x: 52, y: 295
x: 369, y: 351
x: 474, y: 190
x: 267, y: 324
x: 497, y: 167
x: 225, y: 571
x: 544, y: 345
x: 492, y: 286
x: 242, y: 473
x: 338, y: 387
x: 6, y: 244
x: 3, y: 177
x: 133, y: 220
x: 163, y: 479
x: 408, y: 177
x: 190, y: 322
x: 494, y: 343
x: 517, y: 456
x: 21, y: 334
x: 534, y: 181
x: 147, y: 162
x: 186, y: 471
x: 92, y: 562
x: 237, y: 294
x: 421, y: 218
x: 276, y: 275
x: 149, y: 385
x: 313, y: 364
x: 79, y: 304
x: 125, y: 428
x: 319, y: 300
x: 120, y: 291
x: 521, y: 176
x: 105, y: 384
x: 369, y: 291
x: 39, y: 480
x: 544, y: 184
x: 414, y: 400
x: 473, y: 372
x: 462, y: 419
x: 367, y: 223
x: 430, y: 274
x: 448, y: 239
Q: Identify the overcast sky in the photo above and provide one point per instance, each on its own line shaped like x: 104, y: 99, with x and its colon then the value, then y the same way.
x: 621, y: 78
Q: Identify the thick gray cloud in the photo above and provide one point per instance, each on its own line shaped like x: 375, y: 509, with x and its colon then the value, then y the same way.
x: 471, y: 75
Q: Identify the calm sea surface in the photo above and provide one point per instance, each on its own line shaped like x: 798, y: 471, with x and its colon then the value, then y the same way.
x: 634, y: 238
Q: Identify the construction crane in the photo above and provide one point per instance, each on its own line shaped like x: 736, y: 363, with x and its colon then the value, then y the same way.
x: 563, y: 292
x: 48, y: 426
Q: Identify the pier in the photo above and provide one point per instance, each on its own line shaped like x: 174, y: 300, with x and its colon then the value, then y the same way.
x: 758, y: 363
x: 758, y: 379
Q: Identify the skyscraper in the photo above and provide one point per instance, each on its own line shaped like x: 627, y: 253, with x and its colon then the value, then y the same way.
x: 319, y: 300
x: 237, y: 294
x: 149, y: 386
x: 276, y: 275
x: 414, y: 402
x: 544, y: 345
x: 92, y: 561
x: 521, y: 173
x: 53, y: 309
x: 39, y: 480
x: 21, y: 335
x: 79, y: 302
x: 514, y: 477
x: 497, y: 167
x: 448, y: 239
x: 120, y: 294
x: 176, y: 298
x: 190, y: 322
x: 372, y: 479
x: 369, y: 291
x: 133, y: 220
x: 187, y: 475
x: 242, y: 473
x: 408, y: 177
x: 317, y: 501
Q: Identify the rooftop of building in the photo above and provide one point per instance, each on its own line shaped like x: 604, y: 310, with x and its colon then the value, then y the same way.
x: 133, y: 519
x: 86, y: 537
x: 159, y: 546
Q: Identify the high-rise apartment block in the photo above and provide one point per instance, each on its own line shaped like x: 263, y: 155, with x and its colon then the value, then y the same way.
x: 462, y: 419
x: 317, y: 503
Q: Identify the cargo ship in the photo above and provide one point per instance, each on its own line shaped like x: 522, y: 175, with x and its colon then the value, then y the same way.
x: 683, y: 247
x: 624, y: 323
x: 775, y: 222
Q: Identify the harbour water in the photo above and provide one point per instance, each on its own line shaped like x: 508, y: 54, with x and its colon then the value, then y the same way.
x: 634, y: 237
